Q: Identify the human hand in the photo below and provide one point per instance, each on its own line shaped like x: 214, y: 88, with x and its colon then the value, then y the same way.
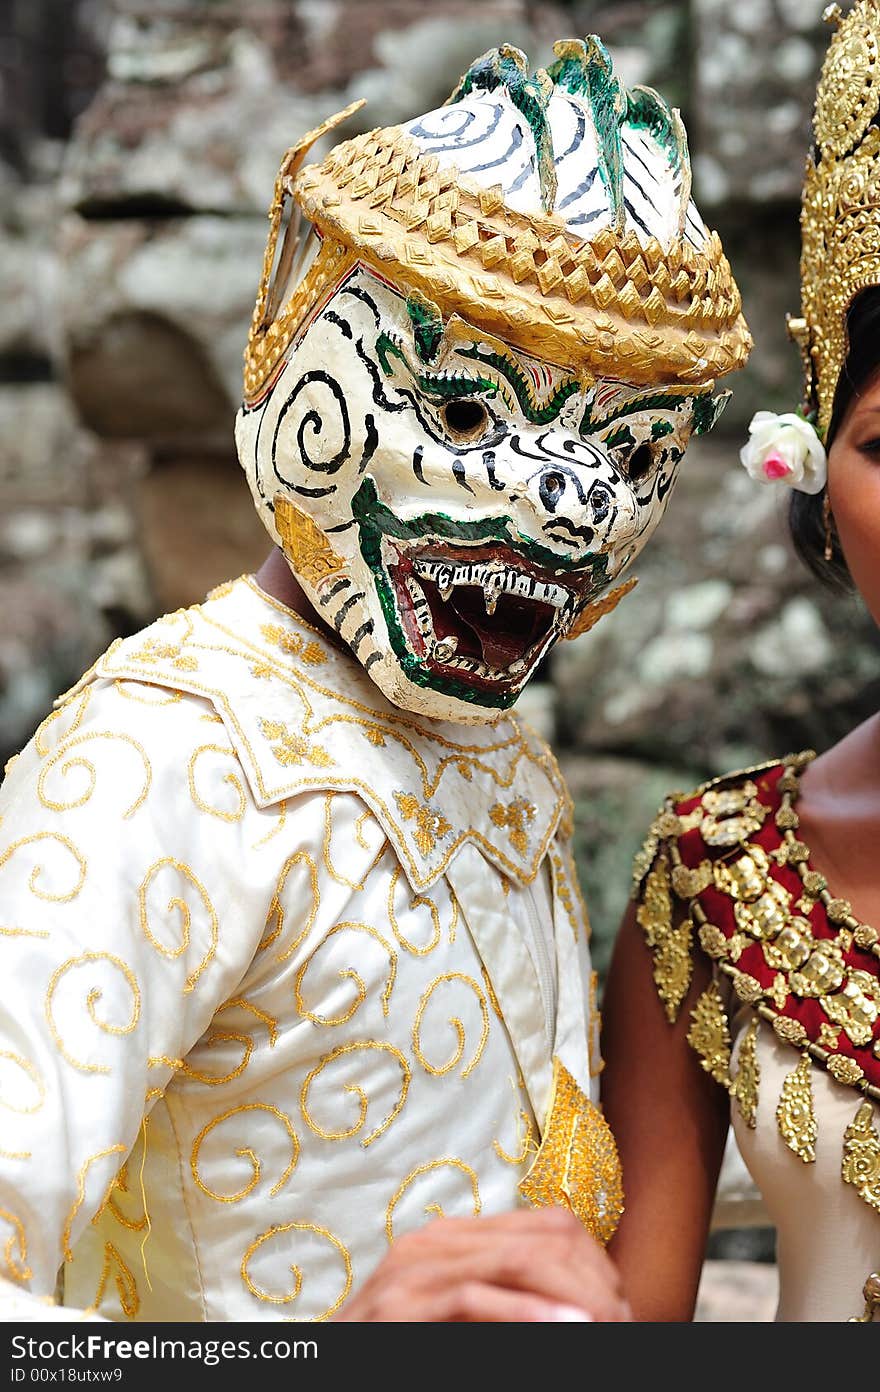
x: 528, y: 1266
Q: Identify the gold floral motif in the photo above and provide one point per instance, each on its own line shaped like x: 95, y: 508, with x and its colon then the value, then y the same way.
x: 789, y: 1031
x: 437, y: 1070
x: 346, y: 973
x: 244, y: 1152
x: 730, y: 802
x: 287, y: 1297
x: 778, y: 991
x: 792, y: 946
x: 744, y: 879
x: 744, y: 1087
x: 431, y: 826
x: 577, y: 1165
x: 844, y: 1070
x: 354, y: 1090
x: 767, y: 915
x: 709, y: 1035
x: 689, y: 882
x: 670, y: 944
x: 748, y: 988
x: 795, y: 1114
x: 432, y: 1210
x: 861, y: 1156
x: 838, y: 910
x: 823, y: 971
x: 856, y: 1007
x: 829, y: 1037
x: 293, y: 749
x: 713, y: 941
x: 514, y: 818
x: 295, y: 644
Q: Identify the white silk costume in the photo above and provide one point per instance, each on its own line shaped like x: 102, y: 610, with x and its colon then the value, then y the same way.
x: 269, y: 945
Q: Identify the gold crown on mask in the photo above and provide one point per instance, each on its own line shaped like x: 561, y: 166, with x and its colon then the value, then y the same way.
x: 840, y: 214
x: 611, y: 306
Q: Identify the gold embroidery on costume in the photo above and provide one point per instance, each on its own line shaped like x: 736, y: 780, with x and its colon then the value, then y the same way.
x: 94, y: 996
x: 709, y: 1036
x: 32, y: 1073
x: 417, y: 901
x: 292, y: 748
x: 177, y: 868
x: 245, y: 1152
x: 126, y: 1286
x: 50, y: 896
x: 432, y: 1210
x: 861, y: 1156
x: 332, y: 871
x: 275, y: 916
x: 431, y: 827
x: 119, y: 1189
x: 514, y: 818
x: 744, y: 1087
x: 795, y: 1114
x: 348, y: 973
x: 81, y: 1194
x: 225, y: 814
x: 289, y: 1296
x: 455, y: 1058
x: 306, y: 649
x: 15, y: 1266
x: 66, y: 765
x: 355, y: 1090
x: 577, y: 1165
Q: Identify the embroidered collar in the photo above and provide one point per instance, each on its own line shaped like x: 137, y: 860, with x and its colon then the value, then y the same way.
x: 302, y: 715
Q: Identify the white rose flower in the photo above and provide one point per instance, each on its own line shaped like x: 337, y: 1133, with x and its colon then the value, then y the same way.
x: 785, y: 449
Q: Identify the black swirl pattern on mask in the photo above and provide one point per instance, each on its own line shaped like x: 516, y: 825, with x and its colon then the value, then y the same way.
x: 314, y: 425
x: 445, y: 136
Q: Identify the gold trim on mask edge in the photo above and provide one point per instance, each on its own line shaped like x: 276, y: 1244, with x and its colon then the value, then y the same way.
x: 608, y: 307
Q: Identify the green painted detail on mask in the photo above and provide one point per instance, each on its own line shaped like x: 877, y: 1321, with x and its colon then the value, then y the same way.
x: 537, y: 414
x: 507, y: 67
x: 438, y: 387
x: 585, y: 67
x: 647, y: 110
x: 427, y: 323
x: 621, y: 437
x: 660, y: 429
x: 660, y: 401
x: 707, y: 411
x: 376, y: 521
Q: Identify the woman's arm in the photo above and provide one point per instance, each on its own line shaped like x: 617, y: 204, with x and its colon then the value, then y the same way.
x: 670, y: 1120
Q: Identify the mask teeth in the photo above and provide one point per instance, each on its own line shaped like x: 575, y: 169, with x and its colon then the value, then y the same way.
x: 445, y: 648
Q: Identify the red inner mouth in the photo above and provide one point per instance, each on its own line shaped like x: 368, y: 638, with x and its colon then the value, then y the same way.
x: 516, y: 627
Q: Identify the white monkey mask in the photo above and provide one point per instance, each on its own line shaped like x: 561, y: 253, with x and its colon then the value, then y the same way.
x: 480, y: 347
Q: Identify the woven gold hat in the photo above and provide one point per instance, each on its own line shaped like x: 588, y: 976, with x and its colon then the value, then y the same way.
x: 620, y: 304
x: 840, y: 215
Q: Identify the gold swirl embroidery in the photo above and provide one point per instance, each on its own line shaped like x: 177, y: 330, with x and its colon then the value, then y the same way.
x: 357, y: 1091
x: 455, y: 1022
x: 60, y: 758
x: 418, y: 901
x: 81, y: 1194
x: 84, y: 697
x: 219, y: 1037
x: 33, y: 1074
x: 229, y: 778
x: 15, y: 1266
x: 526, y: 1131
x: 175, y: 902
x: 432, y: 1210
x: 335, y: 874
x: 63, y: 897
x: 279, y: 824
x: 289, y: 1296
x: 275, y: 916
x: 92, y: 999
x: 120, y: 1187
x: 348, y: 973
x: 245, y: 1153
x: 160, y: 696
x: 126, y: 1286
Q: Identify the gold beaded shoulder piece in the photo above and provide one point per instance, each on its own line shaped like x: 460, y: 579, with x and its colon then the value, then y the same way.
x: 724, y: 871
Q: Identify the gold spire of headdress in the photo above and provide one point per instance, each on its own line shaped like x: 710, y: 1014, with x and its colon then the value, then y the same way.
x: 840, y: 215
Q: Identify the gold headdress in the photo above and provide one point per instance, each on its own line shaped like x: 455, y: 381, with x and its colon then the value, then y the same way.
x: 840, y: 217
x: 619, y: 304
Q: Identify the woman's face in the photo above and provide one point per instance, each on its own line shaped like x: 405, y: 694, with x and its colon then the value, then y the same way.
x: 854, y: 490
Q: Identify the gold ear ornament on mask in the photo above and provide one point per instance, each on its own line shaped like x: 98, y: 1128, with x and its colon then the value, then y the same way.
x: 592, y: 613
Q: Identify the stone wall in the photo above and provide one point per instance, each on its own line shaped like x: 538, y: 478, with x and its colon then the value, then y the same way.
x: 140, y: 146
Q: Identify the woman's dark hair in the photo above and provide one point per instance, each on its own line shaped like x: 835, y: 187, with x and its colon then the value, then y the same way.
x: 805, y: 516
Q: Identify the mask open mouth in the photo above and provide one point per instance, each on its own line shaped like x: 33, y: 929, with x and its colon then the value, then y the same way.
x: 479, y: 613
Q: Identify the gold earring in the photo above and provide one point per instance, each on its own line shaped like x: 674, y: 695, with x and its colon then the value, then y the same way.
x: 592, y: 613
x: 826, y: 519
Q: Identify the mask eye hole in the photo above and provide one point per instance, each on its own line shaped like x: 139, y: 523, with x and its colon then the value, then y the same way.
x: 464, y: 418
x: 639, y: 464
